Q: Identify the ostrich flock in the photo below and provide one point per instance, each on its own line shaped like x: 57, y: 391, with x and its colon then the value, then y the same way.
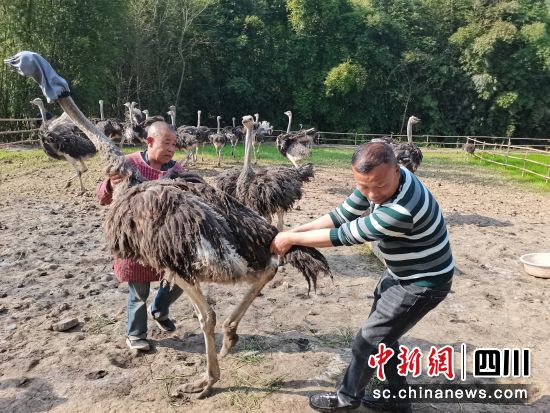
x: 181, y: 226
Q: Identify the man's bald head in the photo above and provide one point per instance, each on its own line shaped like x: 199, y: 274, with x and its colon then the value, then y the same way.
x: 369, y: 155
x: 159, y: 129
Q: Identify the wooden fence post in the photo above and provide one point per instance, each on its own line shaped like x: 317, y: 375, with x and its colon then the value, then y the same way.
x: 508, y: 152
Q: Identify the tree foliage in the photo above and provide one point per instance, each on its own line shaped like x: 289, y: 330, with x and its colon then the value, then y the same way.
x: 464, y: 67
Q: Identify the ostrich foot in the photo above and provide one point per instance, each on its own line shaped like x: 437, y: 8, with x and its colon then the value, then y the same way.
x: 230, y: 339
x: 201, y: 386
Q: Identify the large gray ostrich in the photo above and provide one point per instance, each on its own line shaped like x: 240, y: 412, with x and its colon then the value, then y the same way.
x: 113, y: 128
x: 181, y: 227
x: 62, y: 140
x: 295, y: 146
x: 263, y: 129
x: 185, y: 137
x: 218, y: 139
x: 268, y: 191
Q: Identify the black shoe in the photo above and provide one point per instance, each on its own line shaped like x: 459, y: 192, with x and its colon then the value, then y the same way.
x: 328, y: 402
x: 389, y: 405
x: 166, y: 324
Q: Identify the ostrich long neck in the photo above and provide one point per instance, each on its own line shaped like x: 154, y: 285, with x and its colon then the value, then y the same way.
x: 42, y: 112
x: 410, y: 131
x: 233, y: 123
x: 218, y: 131
x: 247, y: 174
x: 173, y: 117
x: 198, y: 118
x: 111, y: 155
x: 289, y: 122
x: 101, y: 109
x: 130, y: 115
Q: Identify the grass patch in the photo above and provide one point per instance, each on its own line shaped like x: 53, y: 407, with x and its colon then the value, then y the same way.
x: 337, y: 157
x: 247, y: 395
x: 341, y: 338
x: 99, y: 324
x: 251, y: 351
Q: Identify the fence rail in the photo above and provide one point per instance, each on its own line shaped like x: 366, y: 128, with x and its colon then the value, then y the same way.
x: 510, y: 152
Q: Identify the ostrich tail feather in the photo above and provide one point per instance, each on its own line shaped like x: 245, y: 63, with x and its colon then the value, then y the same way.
x: 310, y: 262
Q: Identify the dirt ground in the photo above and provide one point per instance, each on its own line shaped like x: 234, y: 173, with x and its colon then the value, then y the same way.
x: 54, y: 265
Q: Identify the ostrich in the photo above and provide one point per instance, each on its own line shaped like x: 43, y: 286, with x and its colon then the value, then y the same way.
x: 268, y: 191
x: 231, y: 136
x: 62, y: 140
x: 469, y: 147
x: 203, y: 135
x: 263, y: 129
x: 218, y: 139
x: 110, y: 127
x: 149, y: 120
x: 238, y: 134
x: 295, y: 145
x: 181, y: 227
x: 186, y: 138
x: 133, y: 129
x: 137, y: 116
x: 407, y: 154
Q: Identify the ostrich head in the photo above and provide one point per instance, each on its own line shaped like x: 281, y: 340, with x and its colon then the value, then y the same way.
x: 38, y: 102
x: 35, y: 66
x: 172, y: 108
x: 55, y: 88
x: 288, y: 113
x: 414, y: 120
x: 128, y: 104
x: 248, y: 122
x: 146, y: 111
x: 257, y: 117
x: 101, y: 102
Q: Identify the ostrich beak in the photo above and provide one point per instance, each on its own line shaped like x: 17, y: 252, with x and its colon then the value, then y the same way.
x: 33, y: 65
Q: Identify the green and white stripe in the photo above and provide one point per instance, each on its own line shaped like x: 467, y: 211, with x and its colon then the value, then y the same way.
x: 410, y: 227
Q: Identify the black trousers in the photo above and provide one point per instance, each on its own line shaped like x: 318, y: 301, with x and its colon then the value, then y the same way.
x: 397, y: 307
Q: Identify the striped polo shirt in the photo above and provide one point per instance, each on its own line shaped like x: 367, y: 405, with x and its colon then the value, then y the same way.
x: 410, y: 228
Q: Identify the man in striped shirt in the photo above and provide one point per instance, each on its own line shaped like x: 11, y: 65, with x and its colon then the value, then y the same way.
x: 407, y: 223
x: 152, y: 164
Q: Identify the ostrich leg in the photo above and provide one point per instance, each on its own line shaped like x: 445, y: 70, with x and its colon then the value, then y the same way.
x: 78, y: 173
x: 231, y: 323
x: 257, y: 155
x: 254, y: 152
x: 84, y: 169
x: 219, y: 152
x: 207, y: 320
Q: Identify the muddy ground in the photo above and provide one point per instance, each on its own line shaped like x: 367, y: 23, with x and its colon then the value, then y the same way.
x: 54, y: 265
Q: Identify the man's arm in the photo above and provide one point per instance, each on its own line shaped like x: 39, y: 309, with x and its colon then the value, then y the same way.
x: 317, y: 238
x: 322, y: 222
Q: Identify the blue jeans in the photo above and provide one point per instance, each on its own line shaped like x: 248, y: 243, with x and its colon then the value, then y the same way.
x: 397, y: 307
x: 137, y: 305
